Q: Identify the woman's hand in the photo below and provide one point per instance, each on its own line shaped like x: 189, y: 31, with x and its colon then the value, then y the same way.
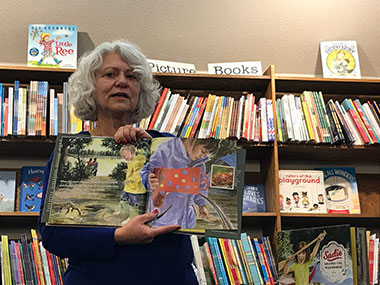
x: 129, y: 133
x: 136, y: 231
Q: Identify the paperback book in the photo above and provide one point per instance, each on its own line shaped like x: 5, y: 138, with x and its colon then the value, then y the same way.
x: 254, y: 198
x: 31, y: 185
x: 53, y: 46
x: 195, y: 183
x: 7, y: 191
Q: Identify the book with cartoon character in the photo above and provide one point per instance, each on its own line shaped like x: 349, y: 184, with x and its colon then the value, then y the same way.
x: 302, y: 191
x: 195, y: 183
x: 53, y: 46
x: 31, y: 188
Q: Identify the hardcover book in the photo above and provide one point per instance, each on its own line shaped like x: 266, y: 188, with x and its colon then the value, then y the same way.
x: 340, y: 59
x: 7, y: 191
x: 254, y: 198
x: 53, y: 46
x: 31, y: 188
x: 319, y: 255
x: 302, y: 191
x: 195, y: 183
x: 341, y: 190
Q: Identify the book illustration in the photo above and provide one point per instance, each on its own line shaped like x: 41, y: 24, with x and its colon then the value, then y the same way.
x: 302, y: 191
x: 7, y: 191
x: 168, y: 174
x: 254, y: 198
x: 341, y: 190
x: 340, y: 59
x: 52, y: 46
x: 320, y: 255
x: 222, y: 177
x: 31, y: 188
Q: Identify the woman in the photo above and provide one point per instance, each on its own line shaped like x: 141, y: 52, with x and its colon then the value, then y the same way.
x: 114, y: 86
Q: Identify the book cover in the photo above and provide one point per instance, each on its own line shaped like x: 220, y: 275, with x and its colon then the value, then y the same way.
x: 254, y: 198
x: 302, y: 191
x: 53, y: 46
x: 31, y: 188
x: 200, y: 183
x: 318, y: 255
x: 7, y: 191
x: 341, y: 190
x: 340, y: 59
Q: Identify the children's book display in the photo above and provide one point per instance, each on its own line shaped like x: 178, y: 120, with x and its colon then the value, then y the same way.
x: 340, y: 59
x: 319, y: 255
x: 254, y: 198
x: 53, y: 46
x: 31, y: 188
x: 195, y: 183
x: 7, y: 191
x: 302, y: 191
x: 341, y: 189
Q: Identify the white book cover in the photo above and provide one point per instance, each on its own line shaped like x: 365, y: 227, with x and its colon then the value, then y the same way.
x: 302, y: 191
x: 340, y: 59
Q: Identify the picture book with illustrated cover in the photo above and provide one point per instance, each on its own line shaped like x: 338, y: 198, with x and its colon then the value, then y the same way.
x: 254, y: 198
x: 340, y: 59
x: 31, y: 188
x: 317, y: 255
x: 195, y: 183
x: 7, y: 191
x: 53, y: 46
x: 341, y: 189
x: 302, y: 191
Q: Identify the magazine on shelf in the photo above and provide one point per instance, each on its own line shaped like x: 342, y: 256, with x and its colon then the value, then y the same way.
x: 96, y: 182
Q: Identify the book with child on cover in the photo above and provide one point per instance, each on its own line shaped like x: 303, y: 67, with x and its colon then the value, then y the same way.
x: 195, y: 183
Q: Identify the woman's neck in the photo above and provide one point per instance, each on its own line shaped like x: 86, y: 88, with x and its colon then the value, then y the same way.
x: 108, y: 127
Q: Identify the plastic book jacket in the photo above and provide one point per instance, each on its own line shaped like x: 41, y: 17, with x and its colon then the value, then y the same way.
x: 340, y: 59
x: 254, y: 198
x: 195, y: 183
x: 53, y: 46
x: 302, y: 191
x: 7, y: 191
x: 341, y: 190
x: 31, y: 188
x: 319, y: 255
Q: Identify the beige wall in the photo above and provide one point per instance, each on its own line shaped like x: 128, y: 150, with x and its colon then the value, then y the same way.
x: 283, y: 33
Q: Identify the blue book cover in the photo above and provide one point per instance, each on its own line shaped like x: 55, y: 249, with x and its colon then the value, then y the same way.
x: 254, y: 198
x: 31, y: 188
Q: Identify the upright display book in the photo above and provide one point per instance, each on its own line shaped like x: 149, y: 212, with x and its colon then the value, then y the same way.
x: 254, y: 198
x: 195, y: 183
x: 7, y: 191
x: 53, y: 46
x: 302, y: 191
x: 340, y: 59
x: 341, y: 189
x: 31, y: 185
x: 318, y: 255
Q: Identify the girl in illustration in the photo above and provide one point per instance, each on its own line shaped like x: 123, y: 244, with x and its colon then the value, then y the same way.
x: 177, y: 206
x: 296, y: 199
x: 48, y: 50
x: 305, y: 199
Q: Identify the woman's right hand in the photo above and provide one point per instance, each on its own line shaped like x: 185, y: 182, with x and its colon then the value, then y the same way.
x: 137, y: 230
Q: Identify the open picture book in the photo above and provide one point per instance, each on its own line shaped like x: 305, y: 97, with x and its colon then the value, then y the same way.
x: 195, y: 183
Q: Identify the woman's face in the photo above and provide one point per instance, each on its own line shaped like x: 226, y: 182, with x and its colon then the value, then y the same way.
x: 117, y: 87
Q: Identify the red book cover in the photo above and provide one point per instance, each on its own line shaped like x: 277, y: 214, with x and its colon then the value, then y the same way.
x: 365, y: 121
x: 231, y: 262
x: 210, y: 261
x: 158, y: 108
x: 358, y: 125
x: 51, y: 270
x: 266, y: 263
x: 198, y: 118
x: 371, y: 258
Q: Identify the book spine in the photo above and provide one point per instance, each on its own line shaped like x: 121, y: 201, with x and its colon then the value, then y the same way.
x: 256, y: 246
x: 218, y: 263
x: 251, y: 259
x: 349, y: 109
x: 158, y: 108
x: 38, y: 259
x: 198, y: 259
x: 365, y: 121
x: 206, y: 117
x: 207, y: 253
x: 347, y: 132
x: 198, y: 118
x: 28, y: 265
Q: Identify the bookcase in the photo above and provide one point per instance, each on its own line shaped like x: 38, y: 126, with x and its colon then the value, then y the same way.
x: 268, y: 158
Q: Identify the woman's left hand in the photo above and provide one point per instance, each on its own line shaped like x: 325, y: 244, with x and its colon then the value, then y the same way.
x: 128, y: 133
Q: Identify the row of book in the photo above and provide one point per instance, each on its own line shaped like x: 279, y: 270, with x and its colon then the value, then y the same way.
x: 28, y: 262
x: 229, y: 261
x: 307, y: 118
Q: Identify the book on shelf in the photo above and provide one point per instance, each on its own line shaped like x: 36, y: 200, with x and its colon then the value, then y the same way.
x: 7, y: 191
x: 254, y: 198
x: 317, y: 255
x: 198, y: 260
x: 212, y: 181
x: 341, y: 190
x: 302, y: 191
x: 340, y: 59
x: 52, y: 46
x: 32, y: 178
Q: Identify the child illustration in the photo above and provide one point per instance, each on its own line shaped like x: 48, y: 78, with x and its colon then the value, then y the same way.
x: 321, y: 199
x: 296, y: 199
x: 134, y: 192
x: 177, y: 153
x: 305, y: 199
x: 302, y: 259
x: 47, y: 44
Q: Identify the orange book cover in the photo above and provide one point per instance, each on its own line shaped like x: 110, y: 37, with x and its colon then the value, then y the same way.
x: 158, y: 108
x: 37, y: 257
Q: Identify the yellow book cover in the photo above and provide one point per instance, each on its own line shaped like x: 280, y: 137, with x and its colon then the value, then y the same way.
x: 308, y: 118
x: 37, y: 256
